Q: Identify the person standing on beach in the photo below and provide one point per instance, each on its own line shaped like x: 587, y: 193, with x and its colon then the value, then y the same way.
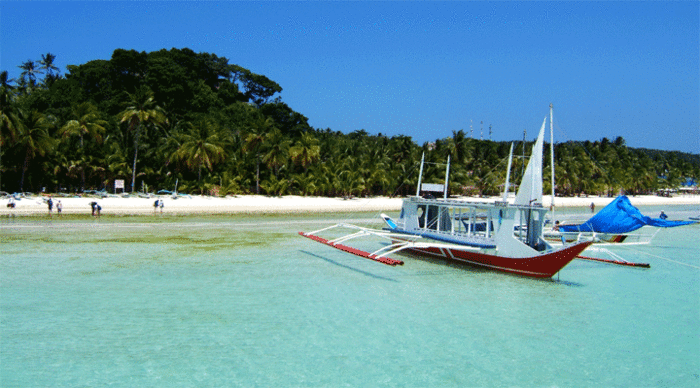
x: 11, y: 205
x: 162, y: 205
x: 59, y: 207
x: 155, y: 206
x: 592, y: 207
x: 50, y: 203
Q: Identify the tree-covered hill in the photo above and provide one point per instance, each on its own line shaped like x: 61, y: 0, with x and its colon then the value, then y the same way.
x: 175, y: 116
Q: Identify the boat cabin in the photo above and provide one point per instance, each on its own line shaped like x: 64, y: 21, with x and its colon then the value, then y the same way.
x: 472, y: 223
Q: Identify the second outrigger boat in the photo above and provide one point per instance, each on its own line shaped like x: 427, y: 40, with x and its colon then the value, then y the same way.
x: 617, y: 223
x: 478, y: 233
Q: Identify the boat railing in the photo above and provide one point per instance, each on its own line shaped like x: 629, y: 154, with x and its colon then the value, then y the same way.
x: 458, y: 203
x: 463, y: 235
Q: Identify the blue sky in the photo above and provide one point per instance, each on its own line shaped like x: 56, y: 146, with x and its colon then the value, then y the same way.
x: 421, y: 69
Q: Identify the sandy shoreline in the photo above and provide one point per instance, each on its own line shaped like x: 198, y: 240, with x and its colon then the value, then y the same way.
x: 204, y: 205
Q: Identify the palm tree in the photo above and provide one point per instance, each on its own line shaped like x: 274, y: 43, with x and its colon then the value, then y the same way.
x: 46, y: 63
x: 378, y: 177
x: 230, y: 182
x: 306, y: 150
x: 402, y: 149
x: 141, y: 110
x: 86, y: 122
x: 255, y: 139
x: 29, y: 72
x: 306, y: 183
x: 76, y: 167
x: 274, y: 186
x: 567, y: 174
x: 350, y: 182
x: 404, y: 177
x: 8, y: 116
x: 8, y: 119
x: 116, y: 161
x: 322, y: 175
x: 33, y: 137
x: 201, y: 147
x: 458, y: 146
x: 276, y: 150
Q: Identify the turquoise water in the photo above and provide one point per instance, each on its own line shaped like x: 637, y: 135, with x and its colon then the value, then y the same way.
x: 242, y: 301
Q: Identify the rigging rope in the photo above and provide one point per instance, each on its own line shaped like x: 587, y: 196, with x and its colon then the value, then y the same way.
x: 662, y: 258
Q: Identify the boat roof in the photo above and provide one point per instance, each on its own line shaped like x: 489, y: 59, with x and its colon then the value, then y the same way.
x: 471, y: 204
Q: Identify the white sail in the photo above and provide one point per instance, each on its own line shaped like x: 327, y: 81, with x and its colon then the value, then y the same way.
x: 510, y: 162
x: 530, y: 190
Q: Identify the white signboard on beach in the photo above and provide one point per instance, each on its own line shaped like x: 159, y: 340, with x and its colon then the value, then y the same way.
x: 433, y: 187
x: 119, y: 183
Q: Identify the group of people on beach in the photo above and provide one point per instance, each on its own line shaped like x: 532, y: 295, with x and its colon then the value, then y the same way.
x: 59, y: 205
x: 158, y: 204
x: 96, y: 208
x: 49, y: 202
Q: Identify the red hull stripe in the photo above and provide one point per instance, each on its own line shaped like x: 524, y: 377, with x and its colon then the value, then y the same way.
x: 540, y: 266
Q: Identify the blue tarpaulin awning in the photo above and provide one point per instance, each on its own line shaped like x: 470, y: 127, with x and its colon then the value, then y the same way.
x: 620, y: 217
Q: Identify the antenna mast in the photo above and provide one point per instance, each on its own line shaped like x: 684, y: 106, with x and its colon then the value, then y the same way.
x: 522, y: 168
x: 420, y: 174
x: 551, y: 152
x: 447, y: 177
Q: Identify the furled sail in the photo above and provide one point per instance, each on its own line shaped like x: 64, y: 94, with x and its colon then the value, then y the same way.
x: 530, y: 190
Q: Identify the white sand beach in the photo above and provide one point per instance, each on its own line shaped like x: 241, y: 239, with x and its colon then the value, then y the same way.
x: 258, y: 204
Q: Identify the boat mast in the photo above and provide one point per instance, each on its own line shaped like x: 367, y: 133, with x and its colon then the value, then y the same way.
x: 420, y: 175
x: 551, y: 153
x: 447, y: 177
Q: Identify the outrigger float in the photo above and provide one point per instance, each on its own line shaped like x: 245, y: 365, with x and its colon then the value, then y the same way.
x: 478, y: 233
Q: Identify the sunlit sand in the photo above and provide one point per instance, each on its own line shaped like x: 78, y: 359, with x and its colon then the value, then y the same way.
x: 186, y: 205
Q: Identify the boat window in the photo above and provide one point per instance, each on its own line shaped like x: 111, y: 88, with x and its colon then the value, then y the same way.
x: 445, y: 220
x: 432, y: 217
x: 421, y: 216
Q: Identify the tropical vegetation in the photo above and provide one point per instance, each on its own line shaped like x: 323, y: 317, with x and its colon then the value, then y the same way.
x: 176, y: 119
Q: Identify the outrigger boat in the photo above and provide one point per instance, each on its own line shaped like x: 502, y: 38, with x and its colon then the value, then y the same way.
x: 617, y: 223
x: 478, y: 233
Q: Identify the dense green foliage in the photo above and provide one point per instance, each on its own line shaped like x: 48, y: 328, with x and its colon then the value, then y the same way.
x: 173, y: 117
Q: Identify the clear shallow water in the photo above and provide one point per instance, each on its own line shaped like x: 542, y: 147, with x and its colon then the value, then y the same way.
x: 247, y: 302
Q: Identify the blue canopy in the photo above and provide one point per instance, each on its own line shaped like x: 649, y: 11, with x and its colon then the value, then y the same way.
x: 620, y: 217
